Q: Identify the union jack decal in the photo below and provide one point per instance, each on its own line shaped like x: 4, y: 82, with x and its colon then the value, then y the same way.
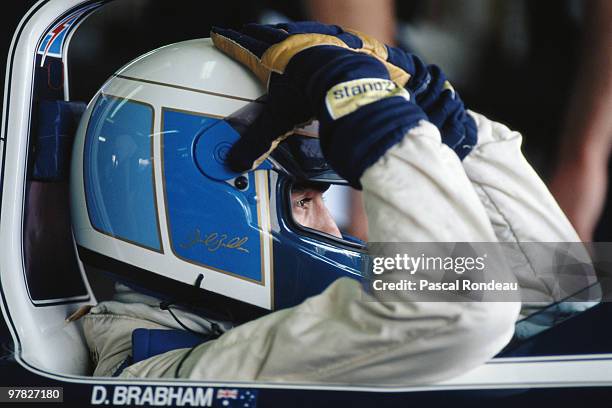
x: 233, y: 394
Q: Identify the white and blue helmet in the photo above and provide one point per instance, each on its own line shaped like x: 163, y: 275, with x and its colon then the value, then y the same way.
x: 153, y: 203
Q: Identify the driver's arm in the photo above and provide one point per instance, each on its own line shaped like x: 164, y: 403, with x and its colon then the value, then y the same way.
x: 526, y: 217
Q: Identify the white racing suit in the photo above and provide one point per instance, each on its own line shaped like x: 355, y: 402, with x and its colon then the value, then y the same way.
x: 418, y: 191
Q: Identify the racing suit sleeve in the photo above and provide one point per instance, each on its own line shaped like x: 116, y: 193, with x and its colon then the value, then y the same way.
x: 525, y: 217
x: 417, y: 191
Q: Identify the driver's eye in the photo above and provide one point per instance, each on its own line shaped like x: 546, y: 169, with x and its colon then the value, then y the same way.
x: 303, y: 203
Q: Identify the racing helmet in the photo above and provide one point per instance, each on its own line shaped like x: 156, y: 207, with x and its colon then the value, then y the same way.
x: 154, y: 203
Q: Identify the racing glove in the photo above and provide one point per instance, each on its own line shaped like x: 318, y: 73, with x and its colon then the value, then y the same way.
x: 432, y: 92
x: 436, y: 96
x: 313, y: 70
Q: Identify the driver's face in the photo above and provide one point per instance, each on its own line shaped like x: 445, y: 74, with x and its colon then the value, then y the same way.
x: 309, y: 210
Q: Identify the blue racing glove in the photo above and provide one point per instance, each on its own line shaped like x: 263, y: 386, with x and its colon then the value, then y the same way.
x: 428, y: 84
x: 342, y: 79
